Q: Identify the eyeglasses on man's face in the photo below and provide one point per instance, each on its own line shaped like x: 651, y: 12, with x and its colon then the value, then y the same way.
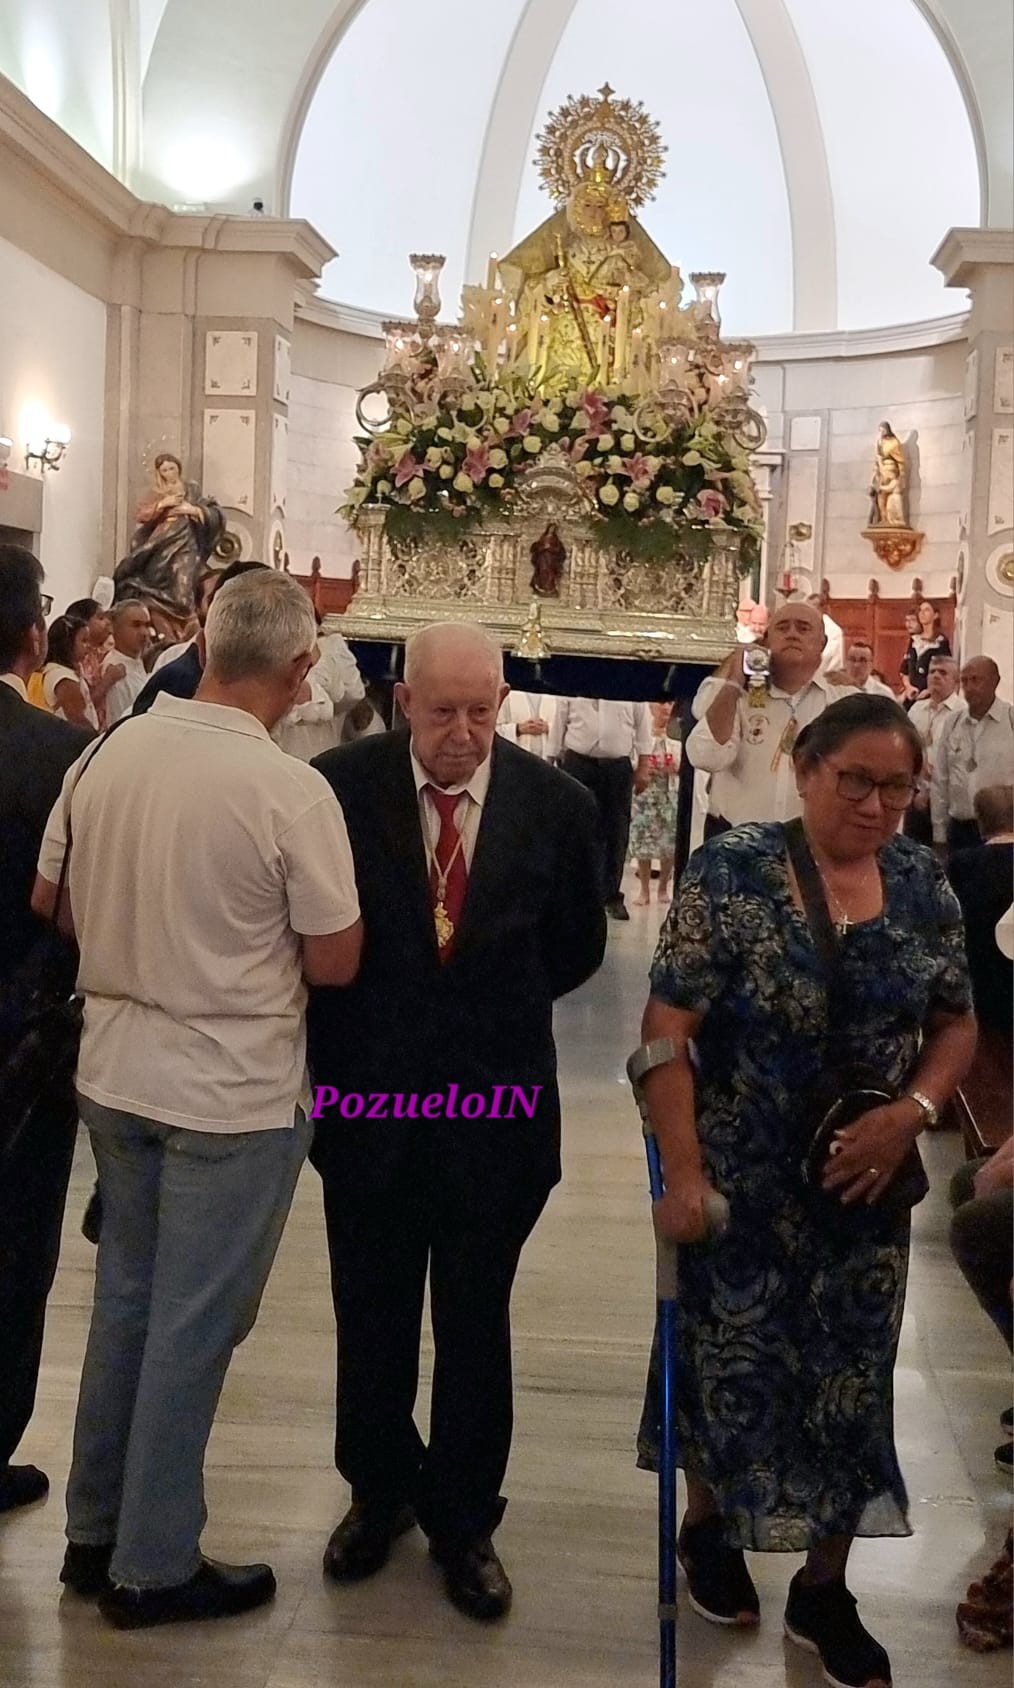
x: 895, y: 793
x: 46, y: 601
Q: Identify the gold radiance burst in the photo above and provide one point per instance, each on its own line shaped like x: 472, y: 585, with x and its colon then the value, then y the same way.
x: 601, y: 137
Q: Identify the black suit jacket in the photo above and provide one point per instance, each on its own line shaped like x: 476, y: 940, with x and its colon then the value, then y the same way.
x: 181, y: 678
x: 982, y: 879
x: 36, y: 749
x: 532, y: 929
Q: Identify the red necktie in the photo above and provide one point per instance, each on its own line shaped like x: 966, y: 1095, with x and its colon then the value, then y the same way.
x: 450, y: 850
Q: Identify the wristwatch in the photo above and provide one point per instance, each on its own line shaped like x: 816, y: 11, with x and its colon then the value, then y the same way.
x: 930, y: 1111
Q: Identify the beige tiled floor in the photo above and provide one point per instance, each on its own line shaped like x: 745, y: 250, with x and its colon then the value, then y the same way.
x: 579, y: 1533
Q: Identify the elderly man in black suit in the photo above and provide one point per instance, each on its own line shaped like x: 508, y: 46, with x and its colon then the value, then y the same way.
x: 481, y: 891
x: 36, y: 750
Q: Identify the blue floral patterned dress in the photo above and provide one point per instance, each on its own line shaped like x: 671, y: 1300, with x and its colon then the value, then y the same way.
x: 788, y: 1335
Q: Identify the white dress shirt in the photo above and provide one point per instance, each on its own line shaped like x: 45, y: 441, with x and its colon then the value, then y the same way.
x: 753, y: 777
x: 467, y: 811
x: 338, y: 673
x: 16, y: 684
x: 600, y: 728
x: 877, y: 688
x: 971, y: 754
x: 170, y: 654
x: 527, y: 706
x: 833, y: 657
x: 930, y: 721
x: 308, y: 728
x: 121, y: 696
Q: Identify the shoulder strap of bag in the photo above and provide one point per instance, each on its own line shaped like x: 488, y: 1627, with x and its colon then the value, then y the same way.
x: 811, y: 889
x: 88, y: 758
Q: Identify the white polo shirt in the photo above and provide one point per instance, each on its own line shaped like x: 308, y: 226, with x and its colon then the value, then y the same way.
x: 753, y: 777
x: 122, y: 695
x: 200, y: 852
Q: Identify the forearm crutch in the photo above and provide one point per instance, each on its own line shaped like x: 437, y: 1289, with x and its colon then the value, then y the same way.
x: 716, y: 1209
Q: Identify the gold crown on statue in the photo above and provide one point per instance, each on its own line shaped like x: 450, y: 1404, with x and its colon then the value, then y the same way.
x: 613, y: 143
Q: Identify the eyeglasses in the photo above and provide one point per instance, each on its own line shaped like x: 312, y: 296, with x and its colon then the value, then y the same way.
x: 47, y: 602
x: 855, y: 788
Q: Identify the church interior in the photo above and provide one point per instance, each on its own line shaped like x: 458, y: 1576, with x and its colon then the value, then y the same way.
x: 617, y: 343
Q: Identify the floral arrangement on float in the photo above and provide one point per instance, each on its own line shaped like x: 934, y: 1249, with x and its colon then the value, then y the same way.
x: 652, y: 474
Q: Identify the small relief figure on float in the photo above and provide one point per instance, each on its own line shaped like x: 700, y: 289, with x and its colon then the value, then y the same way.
x: 178, y: 529
x: 548, y: 556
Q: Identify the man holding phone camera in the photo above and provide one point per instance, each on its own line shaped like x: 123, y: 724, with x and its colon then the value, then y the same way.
x: 749, y: 714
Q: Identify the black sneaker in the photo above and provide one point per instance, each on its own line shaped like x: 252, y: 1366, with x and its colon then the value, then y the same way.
x: 822, y: 1617
x: 720, y: 1586
x: 1003, y: 1458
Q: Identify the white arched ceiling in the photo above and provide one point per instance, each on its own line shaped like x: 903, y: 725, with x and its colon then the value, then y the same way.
x: 523, y: 96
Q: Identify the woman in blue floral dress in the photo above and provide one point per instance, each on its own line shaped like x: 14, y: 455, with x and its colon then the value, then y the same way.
x: 789, y: 1325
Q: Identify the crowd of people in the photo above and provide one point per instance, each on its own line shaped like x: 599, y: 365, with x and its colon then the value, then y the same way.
x: 395, y: 913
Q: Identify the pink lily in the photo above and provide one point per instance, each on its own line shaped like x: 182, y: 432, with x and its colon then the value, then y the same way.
x: 406, y: 469
x: 520, y: 425
x: 580, y: 448
x: 594, y: 407
x: 712, y: 502
x: 638, y: 467
x: 476, y: 464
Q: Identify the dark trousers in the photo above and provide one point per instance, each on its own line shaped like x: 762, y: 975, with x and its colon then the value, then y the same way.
x: 33, y: 1193
x: 381, y: 1240
x: 981, y: 1242
x: 919, y: 826
x: 963, y: 835
x: 611, y: 782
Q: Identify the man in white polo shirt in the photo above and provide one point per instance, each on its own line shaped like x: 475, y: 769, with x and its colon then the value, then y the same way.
x: 745, y: 733
x: 131, y: 636
x: 210, y: 880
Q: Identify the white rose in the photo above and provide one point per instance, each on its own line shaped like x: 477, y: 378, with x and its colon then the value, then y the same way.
x: 502, y: 424
x: 606, y: 442
x: 473, y: 443
x: 444, y: 434
x: 434, y: 457
x: 446, y: 471
x: 416, y: 488
x: 609, y: 494
x: 495, y: 481
x: 383, y: 489
x: 665, y: 495
x: 614, y: 465
x: 628, y: 442
x: 550, y: 421
x: 583, y: 469
x: 631, y: 501
x: 462, y: 483
x: 498, y: 458
x: 532, y: 444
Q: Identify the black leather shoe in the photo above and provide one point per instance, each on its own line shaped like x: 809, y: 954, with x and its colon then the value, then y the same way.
x: 616, y: 909
x: 475, y: 1580
x: 216, y: 1591
x: 21, y: 1485
x: 362, y: 1542
x: 86, y: 1568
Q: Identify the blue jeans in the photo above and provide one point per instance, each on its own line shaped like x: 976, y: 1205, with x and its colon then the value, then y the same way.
x: 190, y: 1226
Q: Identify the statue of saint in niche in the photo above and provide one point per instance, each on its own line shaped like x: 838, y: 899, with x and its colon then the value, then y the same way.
x: 548, y: 556
x: 889, y: 485
x: 178, y: 529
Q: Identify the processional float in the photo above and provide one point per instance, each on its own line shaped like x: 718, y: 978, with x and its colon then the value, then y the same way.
x: 569, y: 464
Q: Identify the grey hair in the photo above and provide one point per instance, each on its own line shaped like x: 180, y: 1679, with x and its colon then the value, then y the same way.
x: 123, y: 605
x: 257, y: 625
x: 461, y: 635
x: 993, y: 806
x: 943, y: 662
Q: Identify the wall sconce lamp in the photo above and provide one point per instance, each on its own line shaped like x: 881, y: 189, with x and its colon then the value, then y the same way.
x: 47, y: 448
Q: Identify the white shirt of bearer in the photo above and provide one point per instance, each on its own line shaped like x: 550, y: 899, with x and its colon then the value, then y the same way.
x: 201, y: 852
x: 122, y: 695
x: 601, y: 728
x: 518, y: 707
x: 753, y: 777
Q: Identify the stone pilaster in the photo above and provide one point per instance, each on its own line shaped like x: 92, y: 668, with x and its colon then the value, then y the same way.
x: 982, y: 260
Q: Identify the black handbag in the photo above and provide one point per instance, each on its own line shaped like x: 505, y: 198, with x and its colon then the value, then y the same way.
x: 42, y: 1014
x: 850, y: 1090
